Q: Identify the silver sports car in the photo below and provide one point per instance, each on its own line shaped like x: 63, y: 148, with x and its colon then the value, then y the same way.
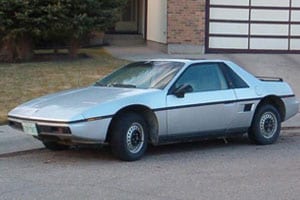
x: 158, y: 102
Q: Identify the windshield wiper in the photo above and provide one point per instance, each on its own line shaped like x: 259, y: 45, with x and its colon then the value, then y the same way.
x: 122, y: 85
x: 99, y: 84
x: 115, y: 85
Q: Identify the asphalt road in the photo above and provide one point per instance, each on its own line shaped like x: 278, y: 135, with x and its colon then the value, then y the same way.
x: 202, y: 170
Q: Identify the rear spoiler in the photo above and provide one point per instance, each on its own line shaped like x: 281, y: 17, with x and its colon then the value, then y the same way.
x: 266, y: 78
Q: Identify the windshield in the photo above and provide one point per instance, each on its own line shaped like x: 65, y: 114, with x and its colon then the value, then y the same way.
x: 144, y: 75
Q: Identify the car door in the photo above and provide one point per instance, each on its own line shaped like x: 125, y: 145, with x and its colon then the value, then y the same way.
x: 207, y: 108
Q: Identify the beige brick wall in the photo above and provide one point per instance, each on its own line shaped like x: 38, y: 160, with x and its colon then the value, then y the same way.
x: 186, y: 22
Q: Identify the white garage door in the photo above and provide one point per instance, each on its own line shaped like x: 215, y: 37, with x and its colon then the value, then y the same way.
x: 253, y: 26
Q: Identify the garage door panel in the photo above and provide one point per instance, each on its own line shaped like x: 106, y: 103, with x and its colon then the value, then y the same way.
x: 296, y: 3
x: 228, y: 42
x: 269, y: 15
x: 295, y: 16
x: 274, y: 3
x: 230, y: 2
x: 269, y: 43
x: 269, y: 29
x: 229, y: 13
x: 295, y: 44
x: 295, y: 30
x: 228, y: 28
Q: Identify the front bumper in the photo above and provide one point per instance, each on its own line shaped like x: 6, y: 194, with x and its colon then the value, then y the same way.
x: 82, y: 132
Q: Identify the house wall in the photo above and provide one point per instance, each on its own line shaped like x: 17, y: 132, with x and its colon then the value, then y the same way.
x: 157, y: 21
x: 186, y: 26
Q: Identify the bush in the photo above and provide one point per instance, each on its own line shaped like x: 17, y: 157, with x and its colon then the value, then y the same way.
x: 23, y: 22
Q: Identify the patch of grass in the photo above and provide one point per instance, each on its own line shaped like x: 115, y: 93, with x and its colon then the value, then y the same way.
x: 20, y: 82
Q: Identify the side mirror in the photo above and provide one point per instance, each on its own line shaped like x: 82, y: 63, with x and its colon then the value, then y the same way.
x: 181, y: 90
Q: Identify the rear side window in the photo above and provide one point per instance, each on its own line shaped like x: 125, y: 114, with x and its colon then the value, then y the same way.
x: 234, y: 80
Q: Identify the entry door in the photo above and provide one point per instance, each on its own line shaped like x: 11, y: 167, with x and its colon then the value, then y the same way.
x: 129, y: 20
x: 208, y: 109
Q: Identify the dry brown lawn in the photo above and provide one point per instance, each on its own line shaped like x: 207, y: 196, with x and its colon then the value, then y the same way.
x: 20, y: 82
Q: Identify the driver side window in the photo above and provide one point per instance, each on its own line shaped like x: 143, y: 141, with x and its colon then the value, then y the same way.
x: 203, y: 77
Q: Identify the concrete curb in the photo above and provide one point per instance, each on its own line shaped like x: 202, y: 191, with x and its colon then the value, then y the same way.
x: 17, y: 153
x: 12, y: 141
x: 290, y: 128
x: 19, y: 143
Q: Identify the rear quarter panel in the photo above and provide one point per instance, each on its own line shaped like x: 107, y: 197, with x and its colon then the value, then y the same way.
x: 260, y: 89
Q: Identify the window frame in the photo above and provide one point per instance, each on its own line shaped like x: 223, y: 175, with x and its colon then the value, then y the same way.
x: 230, y: 82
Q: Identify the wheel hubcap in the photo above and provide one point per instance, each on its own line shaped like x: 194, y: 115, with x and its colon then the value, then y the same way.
x: 135, y: 138
x: 268, y: 125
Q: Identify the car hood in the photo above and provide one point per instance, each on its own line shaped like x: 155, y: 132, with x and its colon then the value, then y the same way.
x: 71, y: 104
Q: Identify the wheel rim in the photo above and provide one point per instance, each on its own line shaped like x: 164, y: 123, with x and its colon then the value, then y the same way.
x: 268, y: 125
x: 135, y: 138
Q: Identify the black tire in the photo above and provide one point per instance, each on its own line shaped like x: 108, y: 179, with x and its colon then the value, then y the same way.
x: 266, y: 125
x: 129, y: 137
x: 54, y: 146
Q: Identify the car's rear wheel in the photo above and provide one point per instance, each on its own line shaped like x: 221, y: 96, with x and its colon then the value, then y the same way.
x: 54, y: 146
x: 129, y: 137
x: 266, y: 125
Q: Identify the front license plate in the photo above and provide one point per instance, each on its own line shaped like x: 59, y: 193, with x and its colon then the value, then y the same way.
x: 30, y: 128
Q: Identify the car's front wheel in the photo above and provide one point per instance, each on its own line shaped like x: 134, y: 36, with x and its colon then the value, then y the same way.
x: 54, y: 146
x: 266, y: 125
x: 129, y: 137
